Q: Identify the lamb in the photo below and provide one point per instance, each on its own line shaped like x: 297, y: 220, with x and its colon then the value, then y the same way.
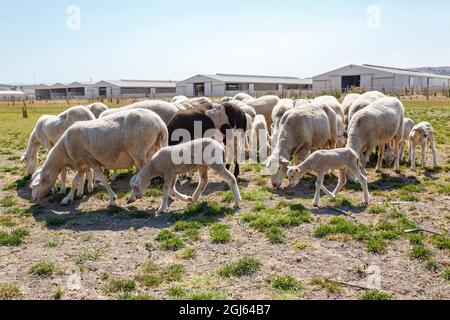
x: 264, y: 106
x: 321, y: 162
x: 363, y: 102
x: 422, y: 135
x: 179, y: 99
x: 334, y: 104
x: 259, y: 143
x: 243, y: 97
x: 97, y: 109
x: 301, y: 131
x: 164, y: 109
x: 168, y: 163
x: 301, y: 103
x: 283, y: 106
x: 380, y: 123
x: 195, y: 102
x: 244, y: 107
x: 389, y: 156
x: 46, y: 134
x: 347, y: 103
x: 115, y: 142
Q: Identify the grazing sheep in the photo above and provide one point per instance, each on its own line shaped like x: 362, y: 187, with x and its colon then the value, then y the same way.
x: 347, y: 103
x: 321, y: 162
x: 363, y: 102
x: 264, y: 106
x: 422, y: 135
x: 97, y: 109
x: 115, y: 142
x: 334, y: 104
x: 179, y: 99
x: 380, y: 123
x: 170, y: 162
x: 244, y: 107
x: 179, y: 106
x: 283, y: 106
x: 301, y: 130
x: 259, y: 143
x: 301, y: 103
x: 226, y: 99
x: 243, y: 97
x: 195, y: 102
x: 163, y: 109
x: 47, y: 132
x: 389, y: 155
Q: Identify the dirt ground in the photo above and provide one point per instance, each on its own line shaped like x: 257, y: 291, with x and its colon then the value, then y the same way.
x: 95, y: 252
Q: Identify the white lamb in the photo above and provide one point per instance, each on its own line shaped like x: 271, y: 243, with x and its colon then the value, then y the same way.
x: 389, y: 154
x: 334, y: 104
x: 363, y: 102
x: 380, y: 123
x: 170, y: 162
x: 302, y: 130
x: 321, y: 162
x: 244, y: 107
x: 97, y: 109
x: 264, y: 106
x: 347, y: 103
x: 422, y: 135
x: 283, y: 106
x: 243, y: 97
x: 259, y: 143
x: 46, y: 134
x: 179, y: 99
x: 115, y: 142
x: 301, y: 103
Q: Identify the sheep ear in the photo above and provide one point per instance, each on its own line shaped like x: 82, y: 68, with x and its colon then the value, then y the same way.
x: 36, y: 180
x: 136, y: 181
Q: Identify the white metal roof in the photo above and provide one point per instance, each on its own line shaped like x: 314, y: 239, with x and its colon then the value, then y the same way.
x: 11, y: 93
x: 140, y: 83
x: 238, y: 78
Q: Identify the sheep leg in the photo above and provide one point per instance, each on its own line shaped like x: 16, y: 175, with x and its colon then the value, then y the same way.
x: 104, y: 180
x: 397, y: 141
x: 177, y: 194
x: 341, y: 183
x: 412, y: 154
x: 363, y: 181
x: 63, y: 178
x: 434, y: 150
x: 90, y: 181
x: 231, y: 181
x: 380, y: 157
x: 424, y: 148
x: 319, y: 184
x: 203, y: 174
x: 167, y: 192
x: 114, y: 176
x: 76, y: 181
x: 80, y: 186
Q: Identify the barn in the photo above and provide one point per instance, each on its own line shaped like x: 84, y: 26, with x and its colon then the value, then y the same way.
x: 135, y: 89
x: 11, y: 95
x: 386, y: 79
x: 218, y: 85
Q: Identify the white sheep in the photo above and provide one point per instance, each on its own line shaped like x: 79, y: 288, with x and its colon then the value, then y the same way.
x: 264, y: 106
x: 244, y: 107
x: 170, y: 162
x: 243, y: 97
x: 347, y: 103
x: 334, y: 104
x: 380, y: 123
x: 363, y: 102
x: 97, y: 108
x: 163, y: 109
x: 389, y: 154
x: 301, y: 103
x: 259, y: 143
x: 422, y: 135
x: 321, y: 162
x: 283, y: 106
x: 179, y: 99
x: 301, y: 130
x: 115, y: 142
x: 47, y: 132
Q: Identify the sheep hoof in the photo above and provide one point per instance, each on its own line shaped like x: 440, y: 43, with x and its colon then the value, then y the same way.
x: 316, y: 205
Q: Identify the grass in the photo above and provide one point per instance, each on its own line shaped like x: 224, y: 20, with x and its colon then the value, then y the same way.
x: 169, y: 241
x: 205, y: 213
x: 120, y: 286
x: 8, y: 201
x: 220, y: 233
x: 246, y: 266
x: 14, y: 238
x: 275, y: 235
x: 376, y: 295
x: 55, y: 222
x: 43, y: 270
x: 176, y: 292
x: 191, y: 229
x: 206, y: 295
x: 446, y: 274
x: 286, y: 283
x: 58, y: 294
x: 376, y: 209
x: 261, y: 194
x: 128, y: 296
x: 152, y: 275
x: 88, y: 254
x: 441, y: 242
x: 7, y: 222
x: 9, y: 292
x: 420, y: 252
x: 331, y: 286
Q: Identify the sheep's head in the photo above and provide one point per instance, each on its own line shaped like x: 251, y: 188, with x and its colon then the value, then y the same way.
x: 138, y: 188
x: 277, y: 168
x: 30, y: 163
x: 389, y: 155
x: 294, y: 175
x: 41, y: 186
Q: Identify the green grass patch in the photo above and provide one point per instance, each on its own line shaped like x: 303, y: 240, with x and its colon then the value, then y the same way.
x: 8, y: 201
x: 275, y: 235
x: 7, y: 222
x: 286, y: 283
x: 55, y: 222
x: 120, y: 286
x: 43, y: 270
x: 420, y: 252
x: 191, y: 229
x: 10, y: 292
x: 14, y: 238
x: 169, y: 241
x: 446, y: 274
x: 441, y: 242
x: 187, y: 254
x: 376, y: 295
x: 243, y: 267
x: 129, y: 296
x: 376, y: 209
x: 220, y: 233
x: 152, y: 275
x: 206, y: 295
x: 205, y: 212
x: 331, y: 286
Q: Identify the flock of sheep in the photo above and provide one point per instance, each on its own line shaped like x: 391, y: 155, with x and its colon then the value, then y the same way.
x: 319, y: 135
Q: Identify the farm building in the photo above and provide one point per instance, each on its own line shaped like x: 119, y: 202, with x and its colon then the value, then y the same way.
x: 10, y: 95
x: 135, y: 89
x: 229, y: 85
x: 387, y: 79
x: 74, y: 90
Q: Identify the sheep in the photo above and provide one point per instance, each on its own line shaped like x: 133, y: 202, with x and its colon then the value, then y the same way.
x: 243, y: 97
x: 389, y: 155
x: 179, y: 106
x: 244, y: 107
x: 226, y: 99
x: 334, y: 104
x: 380, y: 123
x: 168, y: 163
x: 321, y: 162
x: 179, y: 99
x: 283, y: 106
x: 47, y: 132
x: 363, y: 102
x: 164, y: 109
x: 97, y: 109
x: 347, y: 103
x: 301, y: 103
x: 115, y: 142
x: 195, y: 102
x: 301, y: 130
x: 259, y: 143
x: 422, y: 135
x: 264, y: 106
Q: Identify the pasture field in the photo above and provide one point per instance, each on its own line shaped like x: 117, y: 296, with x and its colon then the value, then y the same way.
x: 275, y: 247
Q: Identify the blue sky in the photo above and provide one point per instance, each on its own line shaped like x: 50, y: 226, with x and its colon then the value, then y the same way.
x: 175, y: 39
